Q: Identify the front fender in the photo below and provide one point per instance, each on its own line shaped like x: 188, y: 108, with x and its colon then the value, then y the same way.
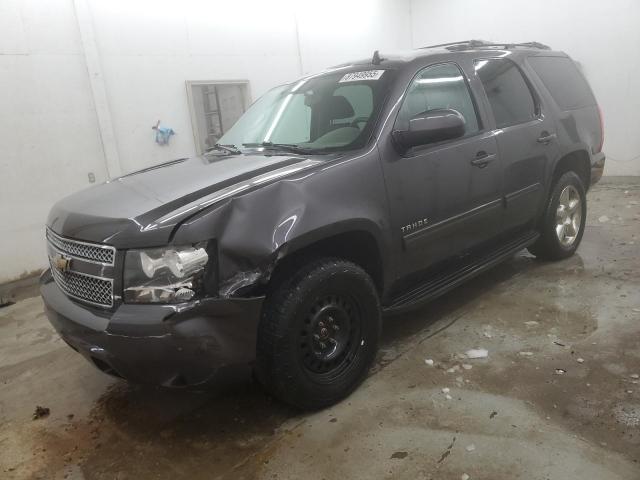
x: 254, y: 230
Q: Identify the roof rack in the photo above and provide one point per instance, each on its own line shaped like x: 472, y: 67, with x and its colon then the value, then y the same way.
x: 471, y: 44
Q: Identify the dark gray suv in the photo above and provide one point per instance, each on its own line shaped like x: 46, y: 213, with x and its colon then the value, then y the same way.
x: 371, y: 187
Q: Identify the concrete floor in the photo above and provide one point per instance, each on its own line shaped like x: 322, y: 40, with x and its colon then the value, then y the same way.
x: 509, y: 416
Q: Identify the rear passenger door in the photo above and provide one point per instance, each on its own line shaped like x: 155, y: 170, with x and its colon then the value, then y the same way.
x: 526, y: 138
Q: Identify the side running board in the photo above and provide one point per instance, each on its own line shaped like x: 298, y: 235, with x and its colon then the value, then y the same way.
x: 449, y: 279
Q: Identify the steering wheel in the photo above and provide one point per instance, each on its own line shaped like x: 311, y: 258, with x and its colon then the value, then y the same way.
x: 354, y: 123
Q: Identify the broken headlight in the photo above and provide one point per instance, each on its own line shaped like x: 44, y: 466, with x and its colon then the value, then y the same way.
x: 164, y: 275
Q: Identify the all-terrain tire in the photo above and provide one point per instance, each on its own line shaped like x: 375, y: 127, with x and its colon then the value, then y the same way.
x: 566, y: 191
x: 318, y: 334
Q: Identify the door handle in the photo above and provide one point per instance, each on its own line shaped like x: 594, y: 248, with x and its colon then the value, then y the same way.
x: 546, y: 137
x: 482, y: 159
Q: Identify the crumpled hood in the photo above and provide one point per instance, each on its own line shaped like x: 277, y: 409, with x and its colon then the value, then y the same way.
x: 124, y: 211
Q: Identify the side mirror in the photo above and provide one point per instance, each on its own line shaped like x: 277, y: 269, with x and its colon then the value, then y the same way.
x: 431, y: 126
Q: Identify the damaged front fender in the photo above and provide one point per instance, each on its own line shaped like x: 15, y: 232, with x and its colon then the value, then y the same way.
x: 255, y: 229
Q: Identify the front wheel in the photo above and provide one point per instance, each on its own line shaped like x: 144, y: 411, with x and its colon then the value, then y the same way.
x: 318, y: 334
x: 563, y: 224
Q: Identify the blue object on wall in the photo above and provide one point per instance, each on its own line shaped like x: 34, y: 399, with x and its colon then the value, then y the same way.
x: 163, y: 134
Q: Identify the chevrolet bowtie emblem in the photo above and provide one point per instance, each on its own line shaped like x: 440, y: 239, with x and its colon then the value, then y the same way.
x: 61, y: 262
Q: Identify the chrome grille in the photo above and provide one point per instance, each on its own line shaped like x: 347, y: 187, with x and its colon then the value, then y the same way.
x: 96, y: 290
x: 90, y: 252
x: 86, y: 272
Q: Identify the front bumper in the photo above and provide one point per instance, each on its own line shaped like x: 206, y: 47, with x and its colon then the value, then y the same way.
x: 171, y: 345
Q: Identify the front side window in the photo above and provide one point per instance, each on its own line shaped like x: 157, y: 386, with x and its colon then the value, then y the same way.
x: 328, y: 112
x: 439, y: 86
x: 508, y: 93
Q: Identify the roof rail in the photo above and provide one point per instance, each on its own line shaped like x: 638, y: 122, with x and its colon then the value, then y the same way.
x: 471, y: 44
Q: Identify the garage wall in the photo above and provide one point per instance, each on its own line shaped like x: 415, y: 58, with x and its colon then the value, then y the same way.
x: 49, y: 137
x: 603, y: 36
x: 146, y: 50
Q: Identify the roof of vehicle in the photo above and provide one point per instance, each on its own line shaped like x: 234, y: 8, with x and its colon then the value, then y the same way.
x: 462, y: 47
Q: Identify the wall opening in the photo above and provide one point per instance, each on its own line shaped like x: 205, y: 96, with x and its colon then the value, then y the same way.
x: 215, y: 106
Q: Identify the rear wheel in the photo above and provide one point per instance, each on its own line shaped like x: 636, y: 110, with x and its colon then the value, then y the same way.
x: 318, y: 334
x: 564, y: 220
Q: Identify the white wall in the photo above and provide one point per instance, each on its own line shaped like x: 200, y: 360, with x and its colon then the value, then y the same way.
x: 337, y: 31
x: 603, y: 36
x: 49, y: 133
x: 49, y: 137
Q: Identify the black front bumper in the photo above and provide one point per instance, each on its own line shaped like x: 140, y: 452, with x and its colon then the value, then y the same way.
x: 172, y: 345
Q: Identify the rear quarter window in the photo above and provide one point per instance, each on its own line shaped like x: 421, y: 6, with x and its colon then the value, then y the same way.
x: 564, y: 81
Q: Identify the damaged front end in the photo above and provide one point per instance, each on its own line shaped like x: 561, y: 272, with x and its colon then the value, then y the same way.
x: 240, y: 282
x: 191, y: 343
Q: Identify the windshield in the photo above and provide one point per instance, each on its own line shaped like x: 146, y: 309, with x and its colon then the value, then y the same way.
x: 329, y: 112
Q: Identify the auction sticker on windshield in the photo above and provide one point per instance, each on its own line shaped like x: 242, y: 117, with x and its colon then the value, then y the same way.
x: 366, y: 75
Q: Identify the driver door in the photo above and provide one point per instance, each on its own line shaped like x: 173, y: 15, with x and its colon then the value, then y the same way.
x: 444, y: 197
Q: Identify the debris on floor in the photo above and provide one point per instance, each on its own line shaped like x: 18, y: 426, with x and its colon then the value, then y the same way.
x: 603, y: 219
x: 470, y: 448
x: 627, y: 414
x: 493, y: 414
x: 477, y: 353
x: 464, y: 476
x: 531, y: 323
x: 40, y: 412
x: 429, y: 361
x: 580, y: 360
x: 399, y: 455
x: 467, y: 366
x: 526, y: 354
x: 560, y: 371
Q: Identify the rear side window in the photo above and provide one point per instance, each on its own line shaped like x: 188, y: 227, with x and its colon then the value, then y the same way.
x: 507, y: 90
x: 564, y: 81
x: 439, y: 86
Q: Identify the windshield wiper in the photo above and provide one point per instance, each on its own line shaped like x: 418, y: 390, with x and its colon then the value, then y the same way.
x: 287, y: 147
x: 226, y: 148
